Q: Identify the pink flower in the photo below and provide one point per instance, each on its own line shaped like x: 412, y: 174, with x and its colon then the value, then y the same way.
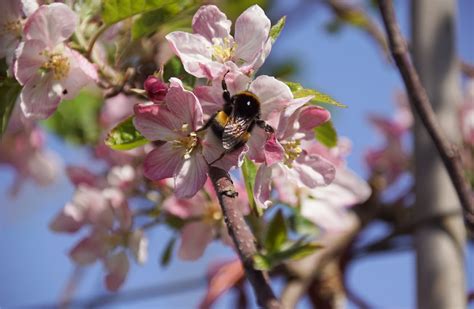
x: 211, y: 48
x: 155, y: 88
x: 183, y: 155
x: 22, y: 149
x: 289, y: 155
x: 11, y: 25
x: 206, y: 220
x: 49, y: 70
x: 326, y: 206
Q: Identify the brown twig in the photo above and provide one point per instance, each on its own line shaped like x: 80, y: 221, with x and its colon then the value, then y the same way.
x: 421, y: 103
x: 243, y: 238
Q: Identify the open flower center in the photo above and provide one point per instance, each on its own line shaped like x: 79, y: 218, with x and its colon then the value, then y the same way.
x: 292, y: 151
x: 57, y: 63
x: 189, y: 143
x: 223, y: 50
x: 11, y: 27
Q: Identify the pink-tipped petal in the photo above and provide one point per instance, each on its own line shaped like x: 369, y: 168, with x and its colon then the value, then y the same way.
x: 210, y: 98
x: 274, y: 151
x: 81, y: 73
x: 52, y: 24
x: 212, y: 149
x: 211, y: 23
x: 69, y: 220
x: 81, y: 176
x: 185, y: 106
x: 163, y: 161
x: 90, y: 248
x: 312, y: 117
x: 251, y: 33
x: 191, y: 175
x: 194, y: 239
x: 157, y: 123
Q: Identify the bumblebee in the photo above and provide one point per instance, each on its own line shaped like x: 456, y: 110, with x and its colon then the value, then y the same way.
x: 233, y: 124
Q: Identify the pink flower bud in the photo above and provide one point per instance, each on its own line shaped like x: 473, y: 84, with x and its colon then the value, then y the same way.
x: 155, y: 88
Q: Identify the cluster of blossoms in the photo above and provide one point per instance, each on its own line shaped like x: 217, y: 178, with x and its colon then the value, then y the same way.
x: 170, y: 173
x: 33, y: 40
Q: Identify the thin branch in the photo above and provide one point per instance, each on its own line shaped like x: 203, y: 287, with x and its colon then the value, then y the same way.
x: 243, y: 238
x: 421, y: 103
x: 95, y: 38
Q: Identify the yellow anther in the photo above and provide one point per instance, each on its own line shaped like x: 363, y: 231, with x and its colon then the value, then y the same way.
x: 292, y: 151
x: 223, y: 50
x: 11, y: 27
x: 57, y: 63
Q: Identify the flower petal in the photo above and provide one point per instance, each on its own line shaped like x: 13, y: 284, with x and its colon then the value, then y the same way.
x: 195, y: 53
x: 211, y: 23
x: 185, y: 106
x: 52, y: 24
x: 81, y: 73
x: 138, y: 243
x: 162, y: 162
x: 251, y: 33
x: 194, y: 239
x: 274, y: 151
x: 157, y: 123
x: 262, y: 188
x: 274, y: 96
x: 29, y: 60
x: 313, y: 116
x: 191, y: 175
x: 117, y: 266
x: 313, y: 170
x: 38, y: 99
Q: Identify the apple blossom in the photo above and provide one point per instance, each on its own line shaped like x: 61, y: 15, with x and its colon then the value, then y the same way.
x: 11, y: 25
x: 48, y: 69
x: 211, y: 49
x: 181, y: 153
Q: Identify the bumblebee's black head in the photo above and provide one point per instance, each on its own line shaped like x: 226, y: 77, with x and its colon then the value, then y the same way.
x: 246, y: 105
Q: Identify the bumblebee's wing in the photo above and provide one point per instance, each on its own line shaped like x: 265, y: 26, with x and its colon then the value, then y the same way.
x: 235, y: 132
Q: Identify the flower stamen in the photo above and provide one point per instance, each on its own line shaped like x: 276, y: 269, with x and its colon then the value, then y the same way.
x: 57, y: 63
x: 292, y: 151
x: 12, y: 27
x: 223, y: 50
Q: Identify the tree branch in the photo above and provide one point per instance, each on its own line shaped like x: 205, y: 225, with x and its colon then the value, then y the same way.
x: 421, y: 103
x: 242, y: 236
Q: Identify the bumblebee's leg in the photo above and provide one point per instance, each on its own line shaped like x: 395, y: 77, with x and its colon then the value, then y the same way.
x: 262, y: 124
x: 226, y: 93
x: 208, y: 123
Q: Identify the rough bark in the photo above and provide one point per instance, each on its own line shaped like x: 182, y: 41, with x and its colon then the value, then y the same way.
x: 439, y: 247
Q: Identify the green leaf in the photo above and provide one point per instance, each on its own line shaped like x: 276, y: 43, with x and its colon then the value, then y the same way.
x: 77, y: 120
x: 116, y: 10
x: 302, y: 226
x: 276, y: 234
x: 249, y: 171
x: 9, y: 91
x: 167, y: 253
x: 319, y: 97
x: 125, y: 136
x: 326, y: 134
x: 261, y: 262
x: 297, y: 251
x: 174, y: 68
x: 276, y: 29
x: 151, y: 21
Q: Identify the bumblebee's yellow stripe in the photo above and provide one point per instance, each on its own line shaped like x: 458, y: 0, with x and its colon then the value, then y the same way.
x: 221, y: 118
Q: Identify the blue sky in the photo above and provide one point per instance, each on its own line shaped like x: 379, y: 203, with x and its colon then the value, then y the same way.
x: 34, y: 265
